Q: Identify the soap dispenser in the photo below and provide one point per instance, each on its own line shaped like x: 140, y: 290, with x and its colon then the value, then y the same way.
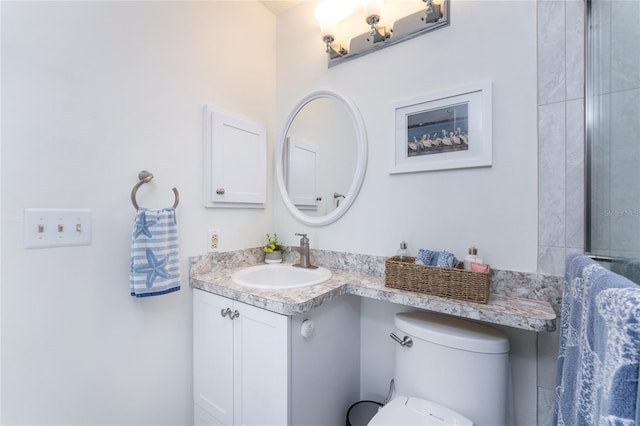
x: 403, y: 252
x: 471, y: 257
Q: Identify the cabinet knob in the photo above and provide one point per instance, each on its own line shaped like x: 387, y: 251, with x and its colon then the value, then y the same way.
x: 233, y: 315
x: 220, y: 191
x: 225, y: 312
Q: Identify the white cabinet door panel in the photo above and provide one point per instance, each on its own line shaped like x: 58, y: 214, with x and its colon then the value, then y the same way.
x: 261, y: 344
x: 240, y: 365
x: 235, y: 161
x: 213, y: 356
x: 203, y: 418
x: 302, y: 172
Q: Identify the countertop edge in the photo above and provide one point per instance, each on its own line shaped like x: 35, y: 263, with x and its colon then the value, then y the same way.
x: 464, y: 309
x: 526, y: 314
x: 265, y: 302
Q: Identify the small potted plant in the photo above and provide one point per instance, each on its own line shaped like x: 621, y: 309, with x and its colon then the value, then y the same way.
x: 273, y: 249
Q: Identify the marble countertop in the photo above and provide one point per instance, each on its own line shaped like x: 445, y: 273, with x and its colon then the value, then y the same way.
x: 527, y: 314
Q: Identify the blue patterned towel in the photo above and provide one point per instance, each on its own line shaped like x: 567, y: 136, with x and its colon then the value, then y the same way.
x: 424, y: 257
x: 629, y: 268
x: 155, y: 264
x: 446, y: 260
x: 442, y: 259
x: 599, y: 355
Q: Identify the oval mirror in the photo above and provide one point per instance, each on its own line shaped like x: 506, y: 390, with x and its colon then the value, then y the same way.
x: 321, y: 158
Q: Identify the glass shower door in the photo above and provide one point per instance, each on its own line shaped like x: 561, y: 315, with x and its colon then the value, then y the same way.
x: 613, y: 133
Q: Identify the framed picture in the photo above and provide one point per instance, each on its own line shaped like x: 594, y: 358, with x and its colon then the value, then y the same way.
x: 450, y: 129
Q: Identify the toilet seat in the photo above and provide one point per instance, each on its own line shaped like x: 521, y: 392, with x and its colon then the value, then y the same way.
x: 409, y: 411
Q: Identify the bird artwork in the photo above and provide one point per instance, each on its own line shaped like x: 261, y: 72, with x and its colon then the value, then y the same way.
x: 446, y: 140
x: 463, y: 138
x: 456, y: 139
x: 426, y: 141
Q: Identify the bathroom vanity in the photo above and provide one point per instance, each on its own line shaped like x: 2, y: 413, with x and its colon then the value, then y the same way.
x: 240, y: 362
x: 363, y: 276
x: 252, y: 364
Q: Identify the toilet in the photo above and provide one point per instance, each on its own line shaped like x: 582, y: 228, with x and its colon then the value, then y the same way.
x: 447, y: 371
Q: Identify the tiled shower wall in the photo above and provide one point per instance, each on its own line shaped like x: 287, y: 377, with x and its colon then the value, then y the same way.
x: 561, y: 160
x: 561, y: 145
x: 561, y: 203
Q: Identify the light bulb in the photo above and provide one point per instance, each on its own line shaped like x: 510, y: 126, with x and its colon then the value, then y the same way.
x: 328, y: 14
x: 372, y: 8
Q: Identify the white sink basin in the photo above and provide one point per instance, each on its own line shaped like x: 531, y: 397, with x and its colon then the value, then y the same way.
x: 280, y: 276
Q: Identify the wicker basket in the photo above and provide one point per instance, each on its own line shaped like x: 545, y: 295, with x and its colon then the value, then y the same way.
x: 455, y: 283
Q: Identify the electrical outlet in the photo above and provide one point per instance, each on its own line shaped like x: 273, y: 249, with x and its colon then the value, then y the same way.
x: 214, y: 239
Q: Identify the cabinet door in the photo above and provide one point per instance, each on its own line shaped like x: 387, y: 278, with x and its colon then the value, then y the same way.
x: 302, y: 175
x: 203, y: 418
x: 213, y: 356
x: 261, y: 345
x: 235, y: 162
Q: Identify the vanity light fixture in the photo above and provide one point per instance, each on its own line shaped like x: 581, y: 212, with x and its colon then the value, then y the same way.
x: 372, y: 11
x: 329, y: 13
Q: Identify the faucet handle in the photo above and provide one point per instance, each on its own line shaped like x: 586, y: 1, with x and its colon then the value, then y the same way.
x: 304, y: 239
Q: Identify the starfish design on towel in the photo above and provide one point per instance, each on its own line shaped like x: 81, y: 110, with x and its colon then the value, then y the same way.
x: 142, y: 226
x: 155, y: 267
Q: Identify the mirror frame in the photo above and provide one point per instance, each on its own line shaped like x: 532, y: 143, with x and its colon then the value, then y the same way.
x: 361, y: 163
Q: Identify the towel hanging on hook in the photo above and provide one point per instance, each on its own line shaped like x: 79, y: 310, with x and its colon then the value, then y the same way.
x: 144, y: 177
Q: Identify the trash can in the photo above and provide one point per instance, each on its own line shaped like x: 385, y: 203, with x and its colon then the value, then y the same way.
x: 361, y: 413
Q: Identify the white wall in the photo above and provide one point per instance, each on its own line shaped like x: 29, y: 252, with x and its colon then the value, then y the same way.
x: 494, y: 208
x: 0, y: 214
x: 92, y: 93
x: 95, y: 92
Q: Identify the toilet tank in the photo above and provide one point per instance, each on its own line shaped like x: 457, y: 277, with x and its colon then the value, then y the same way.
x: 457, y: 363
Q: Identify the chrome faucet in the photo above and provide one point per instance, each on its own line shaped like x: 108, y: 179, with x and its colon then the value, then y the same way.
x: 305, y: 262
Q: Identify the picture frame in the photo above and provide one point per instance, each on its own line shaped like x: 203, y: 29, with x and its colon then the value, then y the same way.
x: 447, y: 129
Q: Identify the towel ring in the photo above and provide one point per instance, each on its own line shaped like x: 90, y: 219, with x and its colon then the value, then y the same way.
x: 145, y: 177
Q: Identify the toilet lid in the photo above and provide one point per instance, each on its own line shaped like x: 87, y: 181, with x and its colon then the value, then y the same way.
x: 417, y: 412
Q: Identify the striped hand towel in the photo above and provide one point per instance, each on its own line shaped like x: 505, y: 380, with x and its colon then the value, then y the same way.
x: 155, y: 264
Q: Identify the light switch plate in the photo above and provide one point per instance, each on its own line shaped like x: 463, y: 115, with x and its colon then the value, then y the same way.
x: 56, y: 227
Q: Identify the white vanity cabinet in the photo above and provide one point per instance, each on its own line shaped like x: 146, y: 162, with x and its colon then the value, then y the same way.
x: 261, y: 368
x: 240, y: 363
